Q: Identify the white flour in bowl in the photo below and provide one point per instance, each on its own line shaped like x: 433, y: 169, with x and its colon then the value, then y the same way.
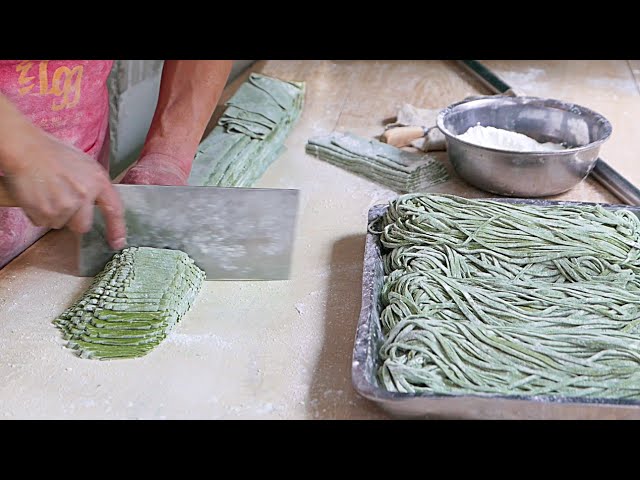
x: 500, y: 139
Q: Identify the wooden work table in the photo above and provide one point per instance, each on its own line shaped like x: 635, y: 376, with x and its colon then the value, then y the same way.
x: 277, y: 349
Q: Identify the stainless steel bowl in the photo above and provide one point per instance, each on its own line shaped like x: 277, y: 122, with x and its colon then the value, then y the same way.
x: 524, y: 174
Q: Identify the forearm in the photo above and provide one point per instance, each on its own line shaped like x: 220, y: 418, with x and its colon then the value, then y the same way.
x: 16, y: 133
x: 189, y: 93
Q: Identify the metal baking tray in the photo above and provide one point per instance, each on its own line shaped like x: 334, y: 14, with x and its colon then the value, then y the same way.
x: 366, y: 362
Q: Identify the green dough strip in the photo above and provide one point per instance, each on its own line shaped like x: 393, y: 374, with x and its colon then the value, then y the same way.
x: 250, y: 134
x: 379, y: 162
x: 449, y: 357
x: 131, y: 306
x: 482, y: 297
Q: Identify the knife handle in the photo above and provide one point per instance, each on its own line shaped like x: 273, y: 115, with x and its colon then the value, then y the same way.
x: 402, y: 136
x: 5, y: 198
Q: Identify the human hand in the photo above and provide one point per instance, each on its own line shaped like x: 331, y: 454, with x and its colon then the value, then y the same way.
x: 157, y: 169
x: 189, y: 92
x: 56, y: 185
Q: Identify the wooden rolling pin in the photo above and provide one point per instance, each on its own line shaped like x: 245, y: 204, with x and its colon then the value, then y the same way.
x: 403, y: 136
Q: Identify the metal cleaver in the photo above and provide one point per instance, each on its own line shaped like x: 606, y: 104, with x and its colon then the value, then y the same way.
x: 231, y: 233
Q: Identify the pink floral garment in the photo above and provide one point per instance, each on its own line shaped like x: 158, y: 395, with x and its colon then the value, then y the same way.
x: 68, y: 99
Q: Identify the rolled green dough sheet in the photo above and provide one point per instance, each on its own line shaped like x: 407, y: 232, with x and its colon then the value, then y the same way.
x: 397, y: 169
x: 250, y: 134
x: 131, y: 306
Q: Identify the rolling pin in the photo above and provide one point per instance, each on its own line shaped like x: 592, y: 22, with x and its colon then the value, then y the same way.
x: 403, y: 136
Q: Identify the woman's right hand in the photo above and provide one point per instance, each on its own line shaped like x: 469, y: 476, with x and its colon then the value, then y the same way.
x: 54, y: 183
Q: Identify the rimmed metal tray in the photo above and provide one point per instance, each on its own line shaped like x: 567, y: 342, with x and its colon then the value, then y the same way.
x: 369, y: 337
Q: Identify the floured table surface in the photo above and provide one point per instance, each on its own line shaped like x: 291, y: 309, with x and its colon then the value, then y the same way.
x: 277, y: 349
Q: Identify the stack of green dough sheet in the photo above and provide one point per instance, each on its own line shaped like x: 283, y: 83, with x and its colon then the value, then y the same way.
x: 484, y: 297
x: 394, y: 168
x: 250, y: 134
x: 133, y: 304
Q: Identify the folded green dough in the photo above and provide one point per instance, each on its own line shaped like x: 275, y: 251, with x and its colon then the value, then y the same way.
x: 397, y: 169
x: 131, y: 306
x: 250, y: 134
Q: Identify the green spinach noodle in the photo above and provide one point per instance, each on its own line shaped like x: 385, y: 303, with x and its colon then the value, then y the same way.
x: 133, y: 304
x: 483, y: 297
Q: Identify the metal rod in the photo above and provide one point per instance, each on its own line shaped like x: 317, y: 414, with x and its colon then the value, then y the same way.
x: 615, y: 183
x: 489, y: 79
x: 602, y: 172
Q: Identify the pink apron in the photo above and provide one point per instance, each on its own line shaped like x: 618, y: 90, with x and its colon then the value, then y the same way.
x: 66, y: 98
